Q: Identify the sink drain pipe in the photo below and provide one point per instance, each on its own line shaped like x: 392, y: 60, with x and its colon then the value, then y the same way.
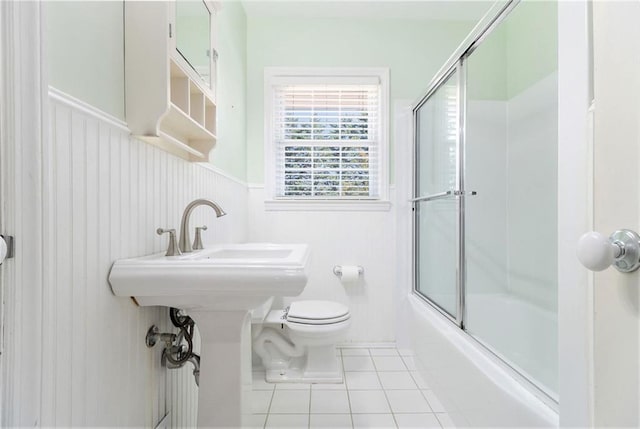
x: 176, y: 353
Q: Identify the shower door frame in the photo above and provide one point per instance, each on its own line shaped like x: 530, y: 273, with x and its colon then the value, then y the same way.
x: 457, y: 69
x: 457, y: 63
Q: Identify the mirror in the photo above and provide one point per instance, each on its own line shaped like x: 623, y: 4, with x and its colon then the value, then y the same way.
x: 193, y: 36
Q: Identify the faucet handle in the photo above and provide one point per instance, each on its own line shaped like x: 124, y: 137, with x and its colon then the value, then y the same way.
x: 197, y: 242
x: 172, y: 249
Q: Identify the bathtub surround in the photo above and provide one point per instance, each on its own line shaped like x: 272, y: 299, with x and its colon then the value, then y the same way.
x: 511, y: 163
x: 510, y: 142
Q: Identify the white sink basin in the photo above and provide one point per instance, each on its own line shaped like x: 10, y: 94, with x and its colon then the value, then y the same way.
x: 223, y: 277
x: 252, y: 254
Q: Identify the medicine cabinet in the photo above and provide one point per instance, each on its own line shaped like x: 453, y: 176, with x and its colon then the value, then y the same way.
x: 170, y: 62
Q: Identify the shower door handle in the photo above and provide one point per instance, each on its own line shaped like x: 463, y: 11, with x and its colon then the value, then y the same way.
x: 622, y: 249
x: 443, y: 195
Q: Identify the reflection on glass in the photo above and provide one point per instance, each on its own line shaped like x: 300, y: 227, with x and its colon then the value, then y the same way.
x: 436, y: 221
x: 193, y: 40
x: 511, y: 161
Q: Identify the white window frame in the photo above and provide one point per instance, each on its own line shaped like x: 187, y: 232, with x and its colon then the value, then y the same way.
x: 280, y: 74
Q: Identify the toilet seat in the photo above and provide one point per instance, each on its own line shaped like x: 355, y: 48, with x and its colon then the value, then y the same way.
x: 312, y: 312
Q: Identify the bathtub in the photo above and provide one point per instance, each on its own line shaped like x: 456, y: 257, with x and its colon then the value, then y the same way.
x: 524, y: 334
x: 472, y: 384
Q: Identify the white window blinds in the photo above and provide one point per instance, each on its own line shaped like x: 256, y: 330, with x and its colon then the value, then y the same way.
x: 327, y: 139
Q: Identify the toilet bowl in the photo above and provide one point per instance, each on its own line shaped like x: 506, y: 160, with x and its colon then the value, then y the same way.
x: 298, y: 344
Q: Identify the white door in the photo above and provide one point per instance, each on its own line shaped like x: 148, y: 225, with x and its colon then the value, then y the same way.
x: 21, y: 135
x: 616, y: 44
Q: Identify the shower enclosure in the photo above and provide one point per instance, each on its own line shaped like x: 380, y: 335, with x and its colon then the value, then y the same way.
x: 485, y: 191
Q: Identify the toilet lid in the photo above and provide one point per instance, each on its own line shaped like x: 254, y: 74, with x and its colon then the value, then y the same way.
x: 317, y: 312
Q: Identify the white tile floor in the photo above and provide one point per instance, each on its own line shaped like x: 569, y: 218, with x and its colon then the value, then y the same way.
x: 382, y: 389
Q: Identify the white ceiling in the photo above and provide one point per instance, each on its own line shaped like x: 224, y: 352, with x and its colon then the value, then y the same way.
x: 456, y: 10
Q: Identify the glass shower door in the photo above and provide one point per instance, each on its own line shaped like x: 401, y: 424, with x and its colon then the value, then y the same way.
x: 489, y: 262
x: 510, y: 225
x: 437, y: 206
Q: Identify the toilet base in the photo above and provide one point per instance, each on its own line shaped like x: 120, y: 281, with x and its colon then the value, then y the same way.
x: 298, y: 376
x: 321, y: 365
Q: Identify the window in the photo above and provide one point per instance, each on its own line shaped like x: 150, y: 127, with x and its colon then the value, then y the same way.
x: 326, y: 135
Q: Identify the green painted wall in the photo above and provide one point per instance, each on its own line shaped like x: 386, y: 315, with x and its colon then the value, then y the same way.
x: 501, y: 66
x: 413, y: 51
x: 487, y: 70
x: 84, y: 42
x: 230, y: 152
x: 531, y: 32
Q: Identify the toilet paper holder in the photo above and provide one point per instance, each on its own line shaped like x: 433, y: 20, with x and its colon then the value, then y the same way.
x: 337, y: 270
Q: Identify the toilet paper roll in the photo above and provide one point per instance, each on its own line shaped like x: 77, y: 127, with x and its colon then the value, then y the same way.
x: 350, y: 274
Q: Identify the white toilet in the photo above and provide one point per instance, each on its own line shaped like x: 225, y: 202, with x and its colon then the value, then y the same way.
x: 298, y: 344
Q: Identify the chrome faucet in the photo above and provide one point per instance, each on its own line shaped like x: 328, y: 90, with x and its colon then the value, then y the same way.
x: 185, y: 240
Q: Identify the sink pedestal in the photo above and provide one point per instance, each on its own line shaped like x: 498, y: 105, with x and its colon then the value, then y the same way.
x: 225, y: 367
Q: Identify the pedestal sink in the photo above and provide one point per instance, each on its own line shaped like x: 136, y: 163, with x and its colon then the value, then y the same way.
x: 217, y: 286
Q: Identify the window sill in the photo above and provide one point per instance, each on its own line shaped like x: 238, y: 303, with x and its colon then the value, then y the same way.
x: 328, y: 205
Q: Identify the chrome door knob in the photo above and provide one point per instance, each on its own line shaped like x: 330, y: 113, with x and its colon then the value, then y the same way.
x: 622, y: 249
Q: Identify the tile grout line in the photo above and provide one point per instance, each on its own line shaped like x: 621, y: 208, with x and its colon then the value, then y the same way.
x: 346, y: 388
x: 423, y: 395
x: 266, y: 419
x: 438, y: 418
x: 393, y: 415
x: 428, y: 403
x: 309, y: 415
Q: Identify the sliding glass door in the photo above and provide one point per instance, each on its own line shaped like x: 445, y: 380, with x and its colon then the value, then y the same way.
x: 511, y: 151
x: 437, y: 123
x: 485, y: 193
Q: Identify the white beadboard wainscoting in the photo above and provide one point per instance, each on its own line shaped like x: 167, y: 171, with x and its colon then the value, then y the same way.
x: 105, y: 193
x: 340, y: 237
